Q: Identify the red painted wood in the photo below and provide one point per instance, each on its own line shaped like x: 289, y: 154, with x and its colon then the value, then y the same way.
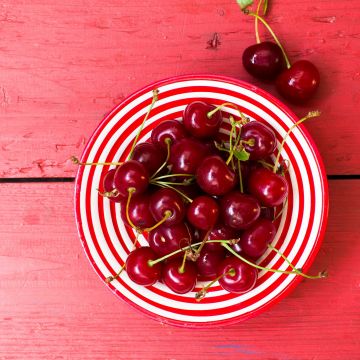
x: 65, y: 64
x: 53, y: 306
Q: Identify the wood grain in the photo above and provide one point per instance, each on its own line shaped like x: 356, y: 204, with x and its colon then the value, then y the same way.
x: 65, y: 64
x: 53, y: 306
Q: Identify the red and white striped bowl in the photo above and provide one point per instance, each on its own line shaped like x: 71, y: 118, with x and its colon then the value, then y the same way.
x: 107, y: 242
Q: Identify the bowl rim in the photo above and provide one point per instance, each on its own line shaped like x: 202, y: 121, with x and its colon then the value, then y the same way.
x: 323, y: 180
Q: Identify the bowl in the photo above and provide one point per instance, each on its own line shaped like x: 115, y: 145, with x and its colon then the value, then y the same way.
x: 107, y: 242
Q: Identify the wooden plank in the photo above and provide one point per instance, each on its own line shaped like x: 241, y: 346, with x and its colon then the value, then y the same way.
x: 65, y: 64
x: 53, y: 306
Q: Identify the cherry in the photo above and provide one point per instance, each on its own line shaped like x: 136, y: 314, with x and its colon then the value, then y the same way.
x: 169, y: 129
x: 150, y: 155
x: 131, y: 175
x: 138, y: 268
x: 186, y: 155
x: 238, y: 210
x: 110, y: 190
x: 167, y: 239
x: 167, y: 200
x: 219, y: 232
x: 254, y: 240
x: 298, y: 83
x: 214, y: 176
x: 180, y: 278
x: 259, y: 140
x: 199, y: 122
x: 236, y: 276
x: 267, y: 213
x: 264, y: 61
x: 138, y: 212
x: 269, y: 188
x: 203, y: 212
x: 208, y: 262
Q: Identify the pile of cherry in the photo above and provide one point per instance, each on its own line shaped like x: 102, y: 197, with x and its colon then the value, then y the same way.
x: 205, y: 202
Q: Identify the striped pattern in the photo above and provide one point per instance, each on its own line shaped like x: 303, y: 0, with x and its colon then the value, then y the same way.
x: 107, y: 242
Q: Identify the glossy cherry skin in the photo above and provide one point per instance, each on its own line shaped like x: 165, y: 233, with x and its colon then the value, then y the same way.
x: 264, y: 61
x: 242, y: 281
x: 167, y: 239
x: 203, y: 212
x: 254, y: 240
x: 138, y: 268
x: 198, y: 123
x: 238, y: 210
x: 131, y: 174
x: 109, y: 186
x: 150, y: 155
x: 208, y: 262
x: 139, y: 213
x: 219, y: 232
x: 299, y: 83
x: 180, y: 283
x: 263, y: 138
x: 186, y: 155
x: 269, y: 188
x: 267, y: 213
x: 214, y: 176
x: 168, y: 129
x: 167, y: 200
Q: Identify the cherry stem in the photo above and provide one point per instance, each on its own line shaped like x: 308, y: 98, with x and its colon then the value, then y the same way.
x: 258, y: 41
x: 130, y: 192
x: 168, y: 144
x: 281, y: 211
x: 169, y: 183
x: 266, y: 164
x: 201, y: 294
x: 171, y: 175
x: 288, y: 65
x: 240, y: 177
x: 167, y: 214
x: 109, y: 194
x: 182, y: 267
x: 76, y: 161
x: 204, y: 241
x: 231, y: 147
x: 154, y: 100
x: 110, y: 278
x: 310, y: 115
x: 322, y: 274
x: 297, y: 272
x: 220, y: 107
x: 166, y: 185
x: 189, y: 247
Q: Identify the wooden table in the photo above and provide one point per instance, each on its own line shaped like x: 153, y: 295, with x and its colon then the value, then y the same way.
x: 66, y: 64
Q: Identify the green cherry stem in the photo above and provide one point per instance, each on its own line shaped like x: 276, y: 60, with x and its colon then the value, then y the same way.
x: 240, y: 177
x: 168, y: 144
x: 166, y: 185
x: 182, y: 267
x: 258, y: 41
x: 130, y: 192
x: 231, y: 148
x: 310, y: 115
x: 297, y: 272
x: 282, y: 210
x: 201, y: 294
x: 154, y: 100
x: 167, y: 214
x: 288, y: 65
x: 76, y: 161
x: 191, y: 176
x: 220, y: 107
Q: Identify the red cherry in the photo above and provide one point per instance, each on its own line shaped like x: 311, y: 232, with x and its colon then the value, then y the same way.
x: 167, y: 239
x: 261, y: 140
x: 214, y: 176
x: 164, y: 200
x: 219, y: 232
x: 254, y: 240
x: 237, y: 276
x: 150, y: 155
x: 131, y: 175
x: 238, y: 210
x: 181, y: 282
x: 299, y: 83
x: 198, y: 123
x: 169, y: 129
x: 208, y: 262
x: 269, y: 188
x: 203, y: 212
x: 109, y: 186
x: 138, y: 268
x: 264, y: 60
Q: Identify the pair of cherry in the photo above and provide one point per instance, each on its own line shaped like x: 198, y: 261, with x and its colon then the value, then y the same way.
x: 268, y: 61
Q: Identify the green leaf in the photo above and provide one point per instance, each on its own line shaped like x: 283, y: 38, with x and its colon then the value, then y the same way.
x: 242, y: 155
x: 244, y: 3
